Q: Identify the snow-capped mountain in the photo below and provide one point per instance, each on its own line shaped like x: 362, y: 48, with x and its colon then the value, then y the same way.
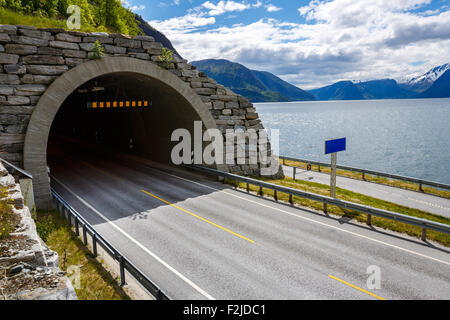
x: 420, y: 83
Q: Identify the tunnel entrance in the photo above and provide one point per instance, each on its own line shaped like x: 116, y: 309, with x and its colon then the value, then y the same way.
x: 123, y: 112
x: 66, y: 111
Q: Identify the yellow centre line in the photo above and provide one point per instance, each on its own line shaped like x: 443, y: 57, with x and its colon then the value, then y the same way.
x: 198, y: 217
x: 357, y: 288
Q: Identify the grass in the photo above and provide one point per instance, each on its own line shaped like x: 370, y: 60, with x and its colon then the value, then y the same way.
x: 354, y: 215
x: 8, y: 16
x: 8, y: 220
x: 95, y: 282
x: 371, y: 178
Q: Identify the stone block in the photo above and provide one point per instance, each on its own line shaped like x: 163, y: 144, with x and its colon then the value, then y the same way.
x: 114, y: 49
x: 232, y: 105
x: 64, y: 45
x: 41, y: 59
x: 6, y: 90
x: 152, y: 45
x: 86, y: 46
x: 251, y: 116
x: 17, y: 100
x: 9, y: 29
x: 44, y: 35
x: 21, y: 49
x: 50, y: 51
x: 218, y: 105
x: 30, y: 90
x: 29, y: 41
x: 9, y: 79
x: 67, y: 37
x: 205, y: 91
x: 47, y: 70
x: 6, y: 58
x: 2, y: 48
x: 102, y: 40
x: 15, y: 69
x: 128, y: 43
x: 4, y: 38
x: 72, y: 62
x: 145, y: 38
x: 74, y: 54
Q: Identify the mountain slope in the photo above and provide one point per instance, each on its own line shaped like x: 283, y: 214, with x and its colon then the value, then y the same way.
x: 159, y: 37
x: 286, y: 89
x: 440, y: 88
x: 375, y: 89
x: 257, y: 86
x: 343, y: 90
x: 425, y: 81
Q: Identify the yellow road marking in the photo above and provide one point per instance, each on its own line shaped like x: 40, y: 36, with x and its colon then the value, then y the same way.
x: 357, y: 288
x: 198, y: 217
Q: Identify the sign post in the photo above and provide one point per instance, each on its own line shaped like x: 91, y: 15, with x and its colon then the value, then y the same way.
x: 333, y: 147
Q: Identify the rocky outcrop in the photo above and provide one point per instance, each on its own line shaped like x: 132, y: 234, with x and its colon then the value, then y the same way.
x: 31, y: 59
x: 28, y: 268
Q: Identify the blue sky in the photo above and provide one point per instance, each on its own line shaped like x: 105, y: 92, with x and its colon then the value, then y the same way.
x: 309, y: 43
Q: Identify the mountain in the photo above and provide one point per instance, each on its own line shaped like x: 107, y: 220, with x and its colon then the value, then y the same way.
x: 257, y: 86
x: 148, y: 30
x: 375, y: 89
x: 440, y: 88
x: 286, y: 89
x: 423, y: 82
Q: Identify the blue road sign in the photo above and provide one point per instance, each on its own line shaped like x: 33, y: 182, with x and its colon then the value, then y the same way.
x: 332, y: 146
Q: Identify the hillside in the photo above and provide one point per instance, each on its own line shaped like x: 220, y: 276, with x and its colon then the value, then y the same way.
x: 375, y: 89
x: 420, y: 83
x: 96, y: 15
x: 440, y: 88
x: 257, y: 86
x: 343, y: 90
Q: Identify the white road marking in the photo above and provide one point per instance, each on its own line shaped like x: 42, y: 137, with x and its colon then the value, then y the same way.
x: 429, y: 203
x: 308, y: 219
x: 189, y: 282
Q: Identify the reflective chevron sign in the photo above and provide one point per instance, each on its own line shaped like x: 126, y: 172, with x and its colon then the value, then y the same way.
x: 119, y: 104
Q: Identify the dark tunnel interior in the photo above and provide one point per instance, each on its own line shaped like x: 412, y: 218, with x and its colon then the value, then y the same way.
x: 140, y: 128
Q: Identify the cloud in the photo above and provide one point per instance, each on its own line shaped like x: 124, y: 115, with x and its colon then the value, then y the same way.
x: 224, y: 6
x: 340, y: 40
x: 272, y: 8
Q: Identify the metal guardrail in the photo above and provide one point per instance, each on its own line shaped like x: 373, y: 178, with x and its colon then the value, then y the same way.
x: 25, y: 173
x: 422, y: 223
x: 420, y: 182
x: 73, y: 217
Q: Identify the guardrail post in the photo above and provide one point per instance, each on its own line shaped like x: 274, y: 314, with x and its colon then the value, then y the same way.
x: 260, y: 190
x: 69, y: 218
x: 290, y: 199
x: 77, y: 232
x: 122, y: 271
x: 369, y: 219
x: 275, y: 195
x: 284, y: 162
x: 248, y: 187
x: 319, y: 168
x: 325, y: 208
x: 84, y: 235
x: 295, y: 172
x: 94, y: 244
x: 424, y: 234
x: 420, y: 187
x: 363, y: 175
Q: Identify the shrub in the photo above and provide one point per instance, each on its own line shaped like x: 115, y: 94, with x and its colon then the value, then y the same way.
x: 166, y: 58
x: 6, y: 215
x: 98, y: 50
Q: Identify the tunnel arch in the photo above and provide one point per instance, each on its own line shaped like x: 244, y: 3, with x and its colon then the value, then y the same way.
x: 37, y: 135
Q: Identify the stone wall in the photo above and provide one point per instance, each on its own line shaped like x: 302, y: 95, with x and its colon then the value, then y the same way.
x: 31, y: 59
x: 28, y: 268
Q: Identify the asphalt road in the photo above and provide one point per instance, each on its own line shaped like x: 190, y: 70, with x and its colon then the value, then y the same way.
x: 199, y: 239
x: 412, y: 199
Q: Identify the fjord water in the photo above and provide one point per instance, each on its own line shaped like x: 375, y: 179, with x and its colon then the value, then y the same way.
x: 406, y: 137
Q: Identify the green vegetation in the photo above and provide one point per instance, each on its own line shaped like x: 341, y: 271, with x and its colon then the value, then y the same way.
x: 96, y: 283
x: 166, y: 58
x: 355, y: 175
x: 8, y: 220
x: 98, y: 51
x: 354, y: 215
x: 96, y: 15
